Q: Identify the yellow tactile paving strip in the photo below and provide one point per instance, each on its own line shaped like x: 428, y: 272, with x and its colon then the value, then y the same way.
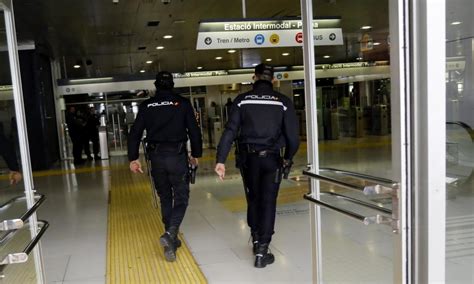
x: 133, y: 251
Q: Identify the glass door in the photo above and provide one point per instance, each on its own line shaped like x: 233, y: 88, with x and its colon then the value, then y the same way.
x: 357, y: 144
x: 459, y: 141
x: 20, y: 231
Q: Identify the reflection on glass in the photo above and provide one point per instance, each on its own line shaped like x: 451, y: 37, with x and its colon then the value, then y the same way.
x: 459, y: 141
x: 10, y: 157
x: 12, y: 198
x: 354, y: 131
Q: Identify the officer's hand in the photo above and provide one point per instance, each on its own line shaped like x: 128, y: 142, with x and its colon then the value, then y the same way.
x: 15, y: 177
x: 193, y: 161
x: 136, y: 167
x: 220, y: 170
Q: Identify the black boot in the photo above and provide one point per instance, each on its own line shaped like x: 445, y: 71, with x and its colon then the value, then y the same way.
x: 177, y: 243
x: 169, y: 244
x: 254, y: 242
x: 263, y: 257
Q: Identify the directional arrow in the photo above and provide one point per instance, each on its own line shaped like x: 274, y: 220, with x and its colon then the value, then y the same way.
x: 208, y: 40
x: 332, y: 36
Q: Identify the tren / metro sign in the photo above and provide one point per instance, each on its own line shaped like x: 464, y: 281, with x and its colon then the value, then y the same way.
x: 265, y: 33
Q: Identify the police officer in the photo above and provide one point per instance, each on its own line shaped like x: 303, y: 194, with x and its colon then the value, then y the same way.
x: 168, y: 120
x: 263, y: 122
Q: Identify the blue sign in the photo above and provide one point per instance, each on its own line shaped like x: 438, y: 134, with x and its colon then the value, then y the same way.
x: 259, y: 39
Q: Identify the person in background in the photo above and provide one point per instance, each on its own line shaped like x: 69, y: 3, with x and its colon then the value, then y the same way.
x: 92, y: 134
x: 75, y: 125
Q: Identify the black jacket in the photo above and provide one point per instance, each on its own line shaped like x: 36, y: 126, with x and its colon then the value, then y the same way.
x: 264, y: 118
x: 166, y: 118
x: 7, y: 151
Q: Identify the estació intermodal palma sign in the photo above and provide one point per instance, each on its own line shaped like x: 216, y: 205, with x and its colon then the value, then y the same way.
x: 265, y: 33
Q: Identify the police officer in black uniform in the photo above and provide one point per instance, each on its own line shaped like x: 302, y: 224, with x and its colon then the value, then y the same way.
x: 263, y: 122
x: 169, y: 121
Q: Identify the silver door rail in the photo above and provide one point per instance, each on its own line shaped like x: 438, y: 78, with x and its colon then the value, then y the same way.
x: 358, y: 175
x: 377, y: 219
x: 22, y: 257
x: 14, y: 224
x: 376, y: 189
x: 359, y: 202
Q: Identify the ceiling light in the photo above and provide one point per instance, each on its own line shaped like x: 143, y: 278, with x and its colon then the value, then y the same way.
x: 296, y: 95
x: 142, y: 71
x: 77, y: 66
x: 268, y: 59
x: 199, y: 67
x: 149, y: 62
x: 160, y: 47
x: 327, y: 56
x: 366, y: 27
x: 359, y: 58
x: 376, y: 43
x: 255, y: 64
x: 232, y: 51
x: 456, y: 23
x: 168, y: 36
x: 218, y: 57
x: 285, y: 54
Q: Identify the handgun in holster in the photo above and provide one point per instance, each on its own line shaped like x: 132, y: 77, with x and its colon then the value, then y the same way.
x: 192, y: 173
x: 286, y: 168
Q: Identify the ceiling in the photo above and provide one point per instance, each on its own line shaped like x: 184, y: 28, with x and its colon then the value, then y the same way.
x: 109, y: 35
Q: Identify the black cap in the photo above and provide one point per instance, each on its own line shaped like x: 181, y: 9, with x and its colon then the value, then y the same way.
x: 264, y: 69
x: 164, y: 80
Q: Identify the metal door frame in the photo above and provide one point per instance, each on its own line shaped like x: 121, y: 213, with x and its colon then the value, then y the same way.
x: 418, y: 114
x: 7, y: 7
x: 428, y: 65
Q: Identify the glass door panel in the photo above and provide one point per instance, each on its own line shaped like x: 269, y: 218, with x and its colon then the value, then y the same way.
x: 459, y: 142
x: 359, y: 165
x: 20, y: 260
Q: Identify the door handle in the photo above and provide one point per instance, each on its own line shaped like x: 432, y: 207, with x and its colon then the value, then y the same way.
x: 368, y: 190
x: 377, y: 219
x: 381, y: 188
x: 15, y: 224
x: 22, y: 257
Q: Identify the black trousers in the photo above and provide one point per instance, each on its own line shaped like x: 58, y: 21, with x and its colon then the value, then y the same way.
x: 261, y: 182
x: 171, y: 177
x: 77, y: 145
x: 95, y: 145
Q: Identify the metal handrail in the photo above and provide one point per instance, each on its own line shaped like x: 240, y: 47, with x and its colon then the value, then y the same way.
x: 463, y: 125
x: 377, y: 219
x: 22, y: 257
x: 366, y: 190
x: 334, y: 181
x: 14, y: 224
x: 359, y: 202
x: 332, y: 207
x: 358, y: 175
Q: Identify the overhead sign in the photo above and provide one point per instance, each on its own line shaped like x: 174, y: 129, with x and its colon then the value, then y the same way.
x: 266, y: 33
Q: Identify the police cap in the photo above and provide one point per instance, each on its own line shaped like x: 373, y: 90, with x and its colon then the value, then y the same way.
x: 164, y: 80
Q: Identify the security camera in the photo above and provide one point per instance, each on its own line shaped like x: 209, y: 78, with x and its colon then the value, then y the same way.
x: 166, y: 2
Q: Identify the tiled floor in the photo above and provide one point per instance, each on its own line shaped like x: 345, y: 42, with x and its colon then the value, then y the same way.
x: 74, y: 247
